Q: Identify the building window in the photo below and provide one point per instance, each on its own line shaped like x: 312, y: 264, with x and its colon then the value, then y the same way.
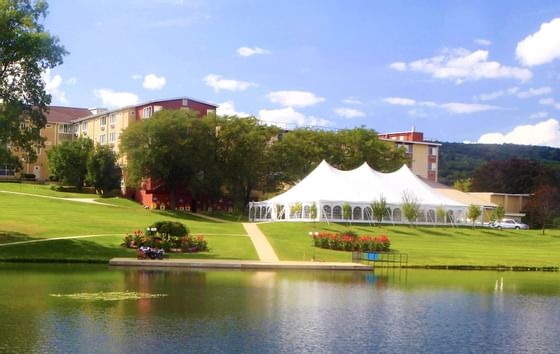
x: 102, y: 139
x: 185, y: 103
x: 112, y: 119
x: 112, y: 137
x: 103, y: 121
x: 432, y: 166
x: 147, y: 112
x: 433, y: 150
x: 84, y: 125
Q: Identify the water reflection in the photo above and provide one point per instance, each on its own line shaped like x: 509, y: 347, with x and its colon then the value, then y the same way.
x: 275, y: 312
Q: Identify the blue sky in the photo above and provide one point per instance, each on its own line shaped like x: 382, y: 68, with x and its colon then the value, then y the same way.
x: 485, y: 71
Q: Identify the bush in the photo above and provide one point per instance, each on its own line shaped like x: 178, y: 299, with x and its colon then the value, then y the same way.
x: 184, y: 243
x: 350, y: 241
x: 170, y: 228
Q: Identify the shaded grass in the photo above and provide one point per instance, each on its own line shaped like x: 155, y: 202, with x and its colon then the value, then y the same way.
x: 42, y: 189
x: 428, y: 245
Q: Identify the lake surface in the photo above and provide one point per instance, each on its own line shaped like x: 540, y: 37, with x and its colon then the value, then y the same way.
x: 53, y: 308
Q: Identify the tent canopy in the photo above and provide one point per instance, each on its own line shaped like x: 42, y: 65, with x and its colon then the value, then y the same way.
x: 361, y: 186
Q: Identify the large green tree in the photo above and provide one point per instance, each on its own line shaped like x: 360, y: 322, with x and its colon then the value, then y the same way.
x: 26, y: 51
x: 245, y: 157
x: 175, y: 147
x: 68, y: 161
x: 103, y: 172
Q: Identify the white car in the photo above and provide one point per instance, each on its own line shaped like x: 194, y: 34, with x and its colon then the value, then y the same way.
x: 509, y: 224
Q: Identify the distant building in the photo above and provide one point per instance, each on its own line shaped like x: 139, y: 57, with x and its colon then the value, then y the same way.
x: 513, y: 204
x: 424, y: 155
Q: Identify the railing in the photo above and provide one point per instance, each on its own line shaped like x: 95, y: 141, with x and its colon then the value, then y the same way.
x: 381, y: 259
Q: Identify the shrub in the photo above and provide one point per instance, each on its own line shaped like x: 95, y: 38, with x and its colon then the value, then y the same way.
x: 170, y: 228
x: 350, y: 241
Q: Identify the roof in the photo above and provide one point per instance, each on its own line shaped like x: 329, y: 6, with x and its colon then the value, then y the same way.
x: 362, y: 185
x: 58, y: 114
x: 142, y: 104
x: 398, y: 141
x: 461, y: 197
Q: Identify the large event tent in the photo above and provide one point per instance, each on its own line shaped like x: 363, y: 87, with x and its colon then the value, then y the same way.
x: 326, y: 189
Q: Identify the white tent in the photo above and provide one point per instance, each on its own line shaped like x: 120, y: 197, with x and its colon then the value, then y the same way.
x: 326, y: 189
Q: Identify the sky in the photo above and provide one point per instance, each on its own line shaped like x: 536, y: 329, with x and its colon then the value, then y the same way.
x: 459, y: 71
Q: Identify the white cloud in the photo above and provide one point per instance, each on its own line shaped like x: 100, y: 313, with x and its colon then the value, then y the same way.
x: 228, y: 109
x: 110, y: 98
x: 539, y: 115
x: 482, y: 41
x: 549, y: 101
x: 52, y: 86
x: 352, y: 100
x: 349, y: 112
x: 153, y: 82
x: 416, y: 113
x: 71, y: 81
x: 136, y: 77
x: 247, y: 52
x: 535, y: 92
x: 294, y: 98
x: 400, y: 101
x: 218, y: 84
x: 461, y: 108
x: 460, y: 64
x: 545, y: 133
x: 399, y: 66
x: 542, y: 46
x: 289, y: 118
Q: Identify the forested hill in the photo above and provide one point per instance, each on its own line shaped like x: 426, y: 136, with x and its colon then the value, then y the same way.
x: 457, y: 160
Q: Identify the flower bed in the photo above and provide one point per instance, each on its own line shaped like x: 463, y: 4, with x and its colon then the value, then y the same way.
x: 350, y: 241
x: 170, y: 244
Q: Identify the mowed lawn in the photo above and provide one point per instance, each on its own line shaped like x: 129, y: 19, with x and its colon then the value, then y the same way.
x: 427, y: 245
x: 25, y: 218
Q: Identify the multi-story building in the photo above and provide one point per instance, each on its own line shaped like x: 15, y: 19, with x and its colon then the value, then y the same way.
x: 423, y: 154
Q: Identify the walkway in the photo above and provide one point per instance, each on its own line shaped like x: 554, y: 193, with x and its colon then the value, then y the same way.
x: 234, y: 264
x: 263, y: 247
x: 79, y: 200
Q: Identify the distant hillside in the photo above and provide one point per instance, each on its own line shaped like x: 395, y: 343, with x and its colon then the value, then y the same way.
x: 457, y: 160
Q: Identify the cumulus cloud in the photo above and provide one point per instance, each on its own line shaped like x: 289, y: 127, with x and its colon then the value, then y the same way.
x: 219, y: 84
x: 136, y: 77
x: 52, y: 86
x: 153, y: 82
x: 289, y: 118
x: 549, y: 101
x: 110, y: 98
x: 451, y: 107
x: 352, y: 100
x: 461, y: 64
x: 349, y: 112
x: 228, y: 109
x: 546, y: 133
x: 542, y: 46
x: 247, y: 52
x: 483, y: 41
x: 539, y: 91
x: 400, y: 101
x: 294, y: 98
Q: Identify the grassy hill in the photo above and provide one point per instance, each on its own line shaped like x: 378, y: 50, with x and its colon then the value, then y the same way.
x: 457, y: 160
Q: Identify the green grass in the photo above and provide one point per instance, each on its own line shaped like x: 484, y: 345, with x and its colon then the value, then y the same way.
x: 41, y: 189
x: 428, y: 245
x: 28, y: 218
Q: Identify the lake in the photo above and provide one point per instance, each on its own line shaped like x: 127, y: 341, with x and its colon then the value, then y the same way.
x: 69, y: 308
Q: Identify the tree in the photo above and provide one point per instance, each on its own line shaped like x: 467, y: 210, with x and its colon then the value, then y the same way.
x: 68, y: 161
x: 244, y: 156
x: 440, y: 213
x: 347, y: 212
x: 473, y: 213
x: 174, y: 147
x: 410, y: 206
x: 463, y: 184
x: 379, y: 208
x: 27, y: 50
x: 103, y: 172
x: 498, y: 213
x: 543, y: 206
x: 313, y: 212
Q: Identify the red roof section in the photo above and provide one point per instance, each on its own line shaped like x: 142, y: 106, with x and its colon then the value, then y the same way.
x: 59, y: 114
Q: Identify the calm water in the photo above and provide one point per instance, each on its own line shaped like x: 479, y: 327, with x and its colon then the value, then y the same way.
x: 277, y: 312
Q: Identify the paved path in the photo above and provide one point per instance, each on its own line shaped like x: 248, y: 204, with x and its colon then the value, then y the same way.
x: 264, y: 249
x: 79, y: 200
x: 234, y: 264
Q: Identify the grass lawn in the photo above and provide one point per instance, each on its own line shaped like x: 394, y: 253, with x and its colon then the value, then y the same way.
x: 28, y: 218
x: 427, y: 245
x: 41, y: 189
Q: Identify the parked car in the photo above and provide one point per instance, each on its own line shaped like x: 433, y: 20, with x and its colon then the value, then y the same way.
x: 509, y: 224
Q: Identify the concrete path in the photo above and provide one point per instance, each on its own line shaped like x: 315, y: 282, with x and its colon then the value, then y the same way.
x: 263, y: 247
x: 79, y: 200
x: 235, y: 264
